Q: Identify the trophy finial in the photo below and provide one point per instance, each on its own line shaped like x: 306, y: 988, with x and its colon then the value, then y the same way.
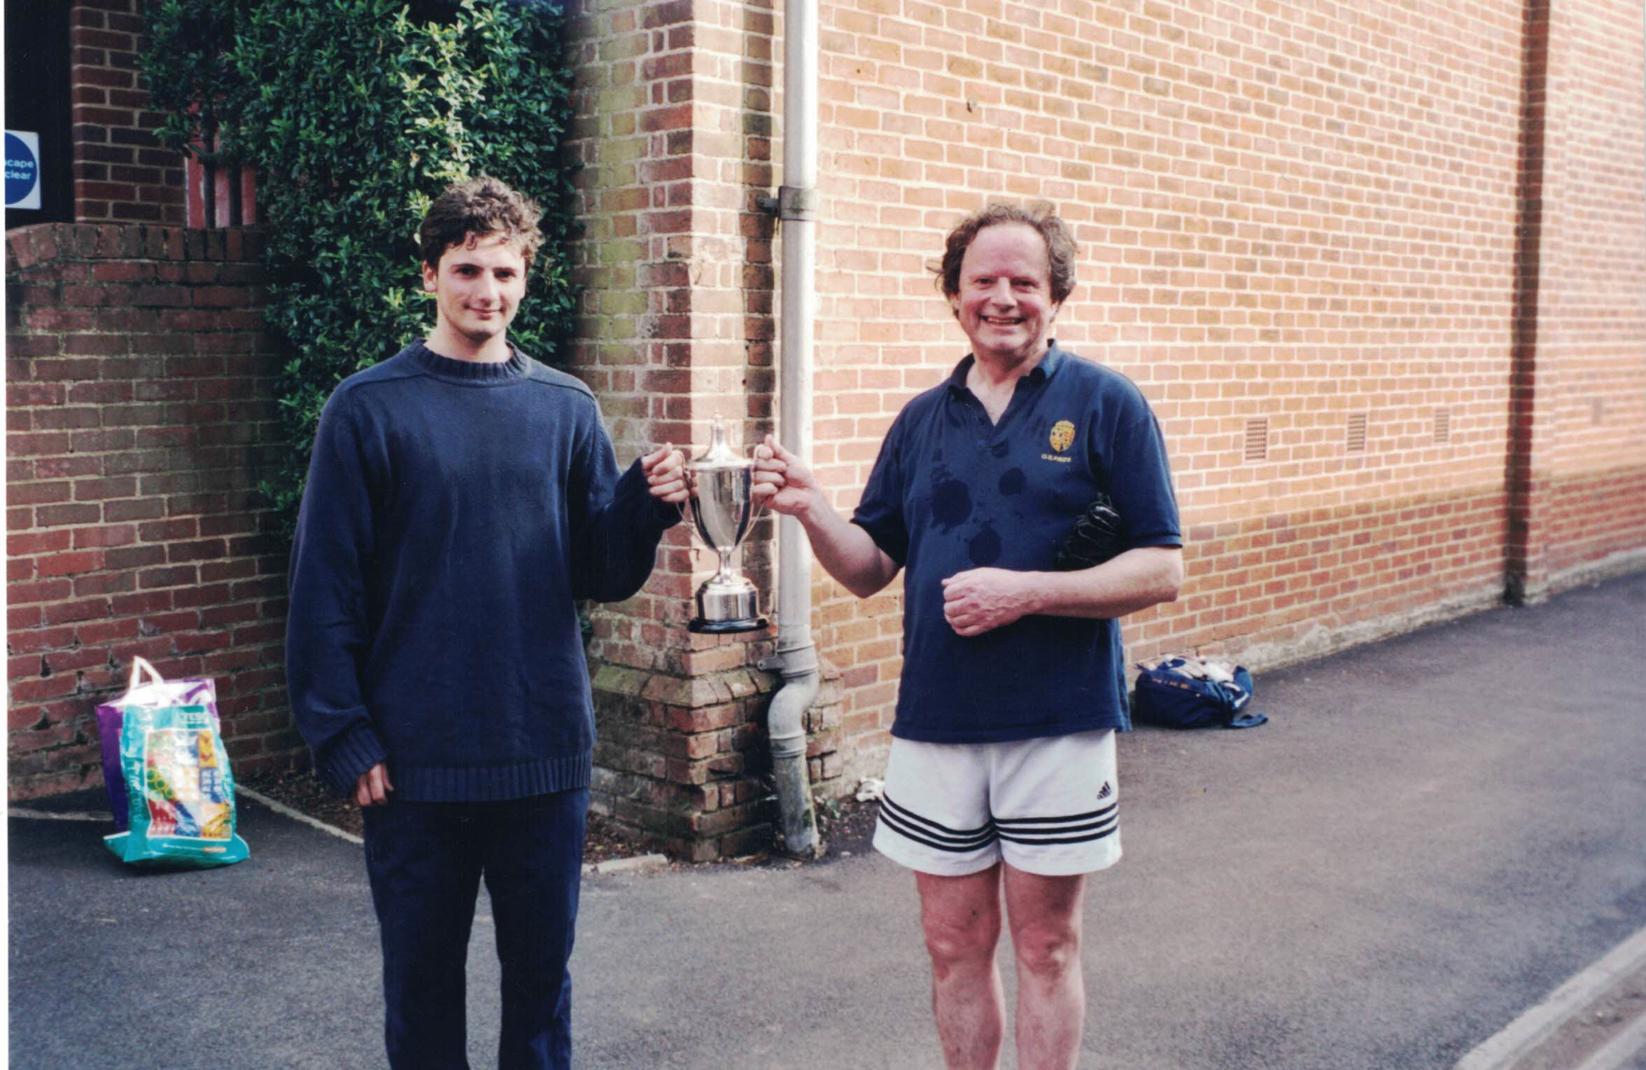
x: 720, y: 453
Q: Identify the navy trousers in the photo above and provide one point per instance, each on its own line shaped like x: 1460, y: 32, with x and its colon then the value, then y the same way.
x: 426, y: 861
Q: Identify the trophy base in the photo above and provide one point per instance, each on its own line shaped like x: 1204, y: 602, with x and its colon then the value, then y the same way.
x: 723, y: 627
x: 727, y: 604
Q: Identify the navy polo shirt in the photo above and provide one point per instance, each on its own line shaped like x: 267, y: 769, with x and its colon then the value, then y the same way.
x: 950, y: 491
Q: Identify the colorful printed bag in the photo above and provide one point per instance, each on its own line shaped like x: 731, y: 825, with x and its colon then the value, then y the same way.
x: 177, y: 788
x: 111, y: 715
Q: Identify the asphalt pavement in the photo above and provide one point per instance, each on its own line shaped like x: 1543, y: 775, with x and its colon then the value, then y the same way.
x: 1428, y: 838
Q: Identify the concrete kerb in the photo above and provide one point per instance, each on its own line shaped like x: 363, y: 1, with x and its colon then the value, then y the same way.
x: 47, y: 815
x: 1620, y: 1049
x: 1521, y: 1036
x: 285, y: 811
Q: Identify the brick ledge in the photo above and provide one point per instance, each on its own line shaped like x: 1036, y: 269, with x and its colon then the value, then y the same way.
x: 42, y: 242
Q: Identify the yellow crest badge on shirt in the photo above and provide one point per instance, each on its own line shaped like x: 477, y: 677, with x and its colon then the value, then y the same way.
x: 1062, y: 435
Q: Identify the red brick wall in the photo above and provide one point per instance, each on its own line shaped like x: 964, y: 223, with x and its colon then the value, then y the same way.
x: 674, y: 131
x: 139, y: 409
x: 634, y: 346
x: 120, y: 173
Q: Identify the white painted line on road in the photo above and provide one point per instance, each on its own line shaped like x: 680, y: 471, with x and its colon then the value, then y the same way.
x: 296, y: 815
x: 1621, y: 1049
x: 637, y: 864
x: 47, y: 815
x: 1532, y: 1028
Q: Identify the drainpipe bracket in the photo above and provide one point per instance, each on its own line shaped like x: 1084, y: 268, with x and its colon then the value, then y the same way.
x: 798, y: 203
x: 793, y: 663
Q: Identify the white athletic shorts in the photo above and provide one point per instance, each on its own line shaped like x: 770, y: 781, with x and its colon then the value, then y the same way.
x: 1045, y: 806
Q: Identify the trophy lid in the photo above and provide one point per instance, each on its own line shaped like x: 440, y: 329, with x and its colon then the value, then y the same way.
x: 719, y: 454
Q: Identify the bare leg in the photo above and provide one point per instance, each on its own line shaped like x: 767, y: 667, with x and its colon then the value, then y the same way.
x: 961, y: 919
x: 1044, y: 915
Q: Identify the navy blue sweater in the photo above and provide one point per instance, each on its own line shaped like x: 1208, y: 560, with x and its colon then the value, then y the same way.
x: 454, y: 512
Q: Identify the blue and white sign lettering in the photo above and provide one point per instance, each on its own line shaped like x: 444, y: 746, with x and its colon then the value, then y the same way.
x: 22, y: 169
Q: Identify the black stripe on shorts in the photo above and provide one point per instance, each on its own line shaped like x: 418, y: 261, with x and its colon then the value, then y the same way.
x: 924, y: 830
x: 1071, y: 828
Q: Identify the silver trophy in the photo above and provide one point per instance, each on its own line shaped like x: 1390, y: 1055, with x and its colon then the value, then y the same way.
x: 723, y: 511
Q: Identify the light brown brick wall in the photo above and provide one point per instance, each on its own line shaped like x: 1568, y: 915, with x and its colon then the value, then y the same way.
x: 1298, y: 225
x: 1292, y: 218
x: 1587, y: 454
x: 1298, y: 231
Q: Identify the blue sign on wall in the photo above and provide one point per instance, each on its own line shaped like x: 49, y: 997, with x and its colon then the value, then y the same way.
x: 22, y: 169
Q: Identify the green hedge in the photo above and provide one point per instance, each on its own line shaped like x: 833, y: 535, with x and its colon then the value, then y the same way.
x: 355, y: 114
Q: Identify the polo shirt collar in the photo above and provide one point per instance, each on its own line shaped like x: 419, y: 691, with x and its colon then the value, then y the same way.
x: 1039, y: 374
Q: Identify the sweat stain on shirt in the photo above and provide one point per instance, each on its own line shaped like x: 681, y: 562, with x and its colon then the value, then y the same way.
x: 984, y: 547
x: 951, y: 504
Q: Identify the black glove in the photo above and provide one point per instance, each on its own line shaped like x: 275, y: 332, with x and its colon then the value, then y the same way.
x: 1096, y: 537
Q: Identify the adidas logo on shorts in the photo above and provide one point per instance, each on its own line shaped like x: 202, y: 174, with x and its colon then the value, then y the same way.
x: 1106, y: 790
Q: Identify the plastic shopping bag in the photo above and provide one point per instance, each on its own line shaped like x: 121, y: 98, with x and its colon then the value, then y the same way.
x: 111, y: 715
x: 174, y: 774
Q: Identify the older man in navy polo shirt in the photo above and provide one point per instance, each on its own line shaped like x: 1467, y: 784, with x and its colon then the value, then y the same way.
x: 1001, y: 787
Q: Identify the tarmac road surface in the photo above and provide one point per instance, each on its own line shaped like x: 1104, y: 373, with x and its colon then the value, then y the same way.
x: 1431, y: 835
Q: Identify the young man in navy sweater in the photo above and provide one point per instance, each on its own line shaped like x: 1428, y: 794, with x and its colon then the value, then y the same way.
x: 461, y: 498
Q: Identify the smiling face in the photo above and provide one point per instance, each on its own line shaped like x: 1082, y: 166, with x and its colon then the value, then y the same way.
x: 477, y: 288
x: 1004, y: 301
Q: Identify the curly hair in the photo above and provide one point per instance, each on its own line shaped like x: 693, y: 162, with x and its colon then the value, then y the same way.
x: 475, y: 208
x: 1060, y: 247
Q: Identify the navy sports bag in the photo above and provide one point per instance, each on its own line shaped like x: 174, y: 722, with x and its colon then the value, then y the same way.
x: 1179, y: 692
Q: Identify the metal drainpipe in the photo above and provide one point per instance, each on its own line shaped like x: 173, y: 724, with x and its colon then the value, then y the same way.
x: 796, y: 656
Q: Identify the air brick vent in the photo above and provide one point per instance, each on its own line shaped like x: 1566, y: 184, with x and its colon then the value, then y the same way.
x: 1357, y: 432
x: 1257, y: 439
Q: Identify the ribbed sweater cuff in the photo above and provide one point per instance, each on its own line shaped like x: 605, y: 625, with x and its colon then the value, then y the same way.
x: 349, y: 755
